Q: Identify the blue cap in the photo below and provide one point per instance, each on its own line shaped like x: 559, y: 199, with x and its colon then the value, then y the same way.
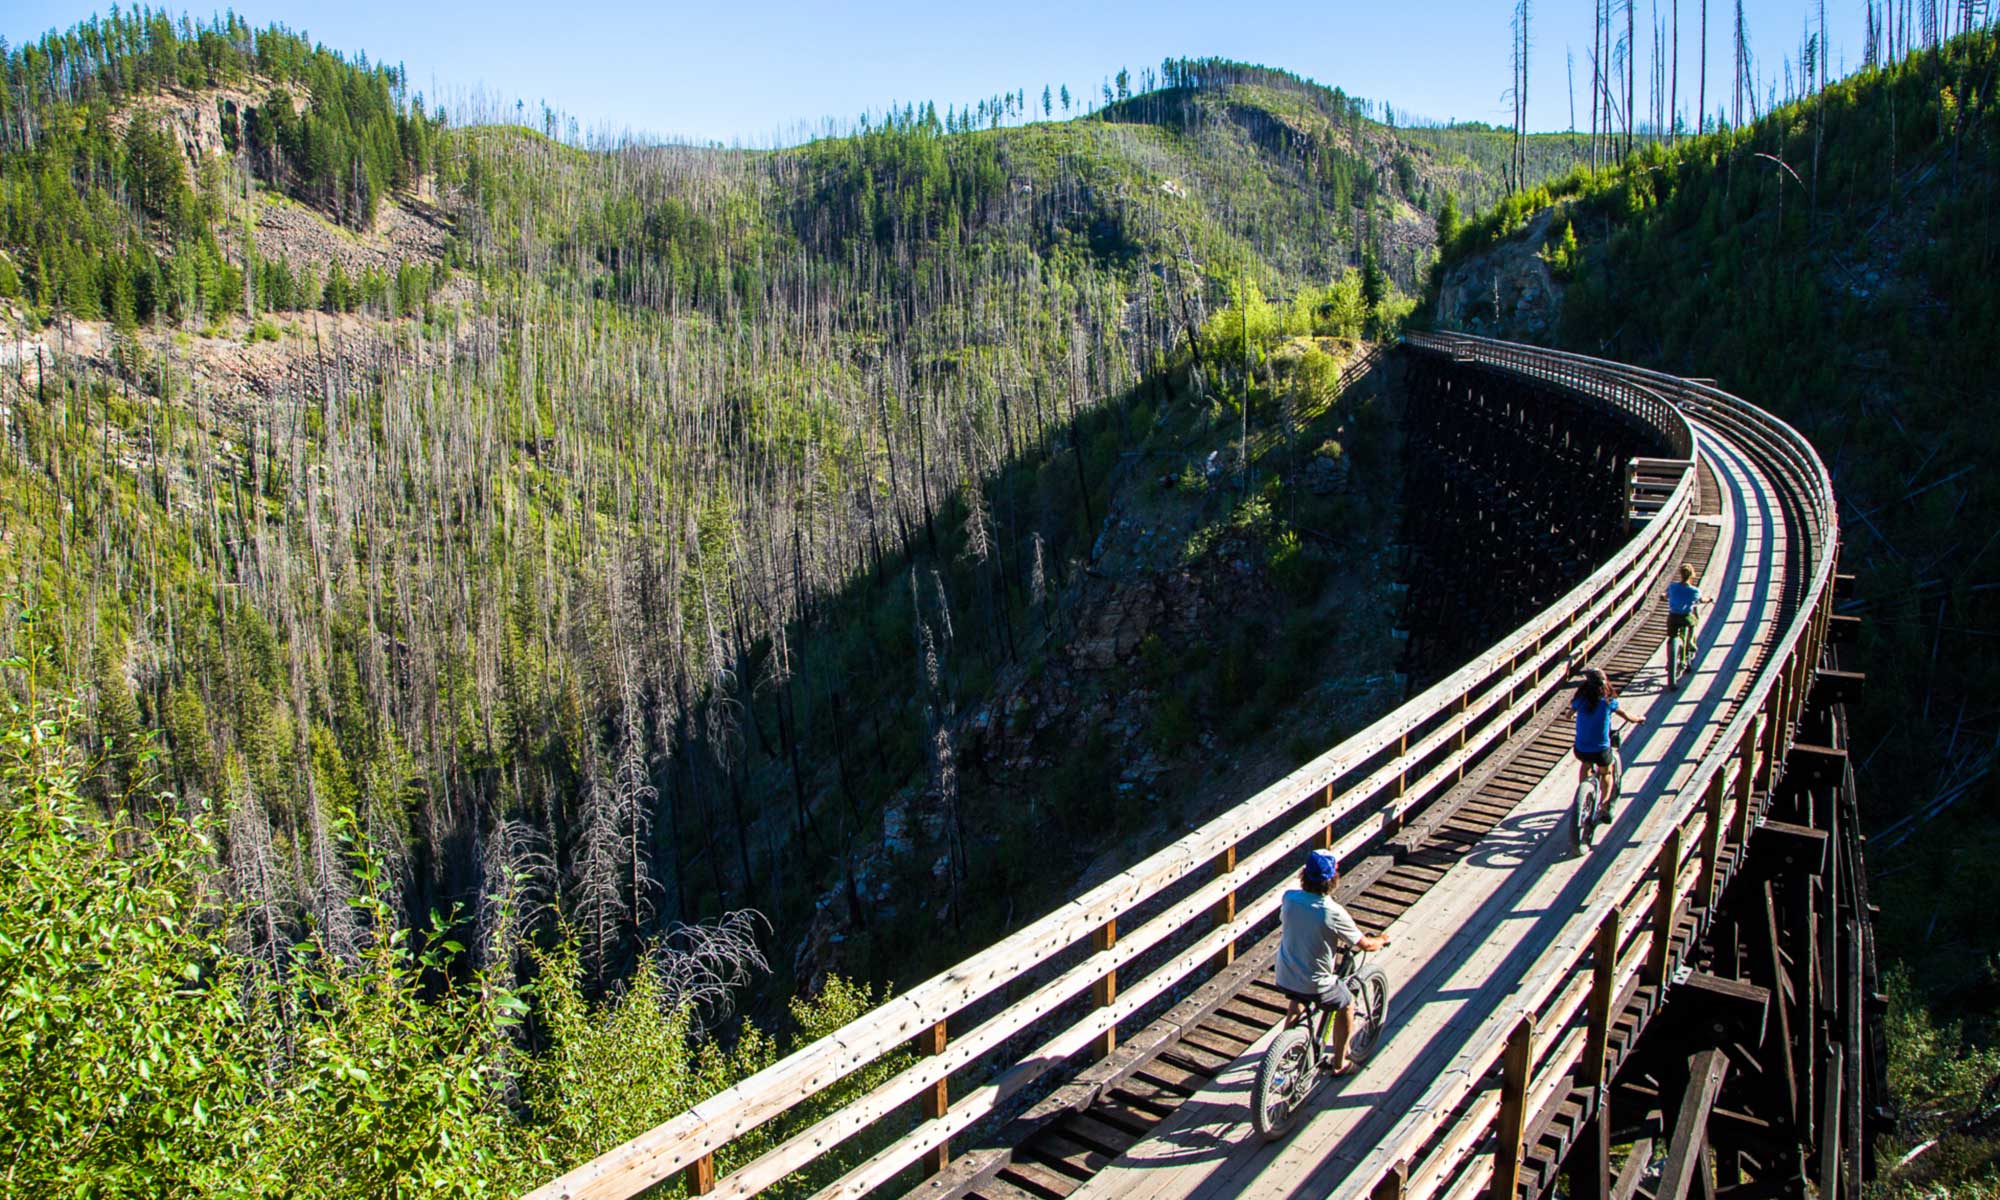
x: 1322, y: 865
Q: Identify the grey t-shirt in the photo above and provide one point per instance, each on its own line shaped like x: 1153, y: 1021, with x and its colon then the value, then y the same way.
x: 1314, y: 928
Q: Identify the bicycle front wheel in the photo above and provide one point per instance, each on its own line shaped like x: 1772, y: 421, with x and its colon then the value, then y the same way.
x: 1284, y: 1079
x: 1371, y: 1014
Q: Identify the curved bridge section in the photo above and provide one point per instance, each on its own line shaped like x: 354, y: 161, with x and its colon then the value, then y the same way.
x: 1525, y: 980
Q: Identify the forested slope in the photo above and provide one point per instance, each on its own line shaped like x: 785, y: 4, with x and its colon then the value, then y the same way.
x: 475, y: 559
x: 1836, y: 262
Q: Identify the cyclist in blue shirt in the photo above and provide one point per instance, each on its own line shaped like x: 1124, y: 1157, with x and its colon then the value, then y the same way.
x: 1314, y: 932
x: 1593, y: 706
x: 1682, y: 597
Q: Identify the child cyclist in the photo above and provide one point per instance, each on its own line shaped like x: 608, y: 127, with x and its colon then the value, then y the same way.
x: 1682, y: 598
x: 1315, y: 929
x: 1593, y: 706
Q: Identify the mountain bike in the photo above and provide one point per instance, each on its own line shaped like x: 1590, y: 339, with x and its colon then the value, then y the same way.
x: 1588, y: 808
x: 1300, y: 1058
x: 1680, y: 653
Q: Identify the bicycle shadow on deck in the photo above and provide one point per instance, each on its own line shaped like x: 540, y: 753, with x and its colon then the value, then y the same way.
x: 1516, y: 839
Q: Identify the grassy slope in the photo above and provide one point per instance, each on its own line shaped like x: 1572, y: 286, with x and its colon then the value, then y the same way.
x: 1858, y: 300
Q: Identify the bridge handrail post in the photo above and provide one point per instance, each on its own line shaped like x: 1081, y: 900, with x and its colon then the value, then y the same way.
x: 1711, y: 841
x: 699, y: 1176
x: 1774, y: 733
x: 1746, y: 781
x: 1659, y: 955
x: 1393, y: 1182
x: 1105, y: 991
x: 937, y: 1098
x: 1225, y: 908
x: 1603, y: 994
x: 1513, y: 1120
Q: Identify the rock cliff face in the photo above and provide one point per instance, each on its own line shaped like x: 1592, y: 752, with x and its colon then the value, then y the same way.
x: 1505, y: 291
x: 197, y: 120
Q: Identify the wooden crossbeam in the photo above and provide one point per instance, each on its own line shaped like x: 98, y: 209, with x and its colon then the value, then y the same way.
x: 1815, y: 765
x: 1837, y: 687
x: 1734, y: 1009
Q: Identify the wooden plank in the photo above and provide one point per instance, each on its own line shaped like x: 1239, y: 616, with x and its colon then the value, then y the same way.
x: 1039, y: 1180
x: 998, y: 1188
x: 1214, y: 1041
x: 1074, y: 1158
x: 1100, y: 1135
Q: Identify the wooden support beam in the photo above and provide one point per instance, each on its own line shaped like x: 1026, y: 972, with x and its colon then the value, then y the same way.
x: 1105, y: 990
x: 1588, y: 1166
x: 1637, y: 1162
x: 1513, y: 1121
x: 1829, y: 1125
x: 1843, y: 630
x: 1775, y: 976
x: 1687, y: 1153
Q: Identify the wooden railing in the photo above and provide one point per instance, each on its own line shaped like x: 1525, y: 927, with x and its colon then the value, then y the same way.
x: 1146, y: 932
x: 1464, y: 1137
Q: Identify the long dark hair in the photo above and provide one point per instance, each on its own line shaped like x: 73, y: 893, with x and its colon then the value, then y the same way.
x: 1595, y: 687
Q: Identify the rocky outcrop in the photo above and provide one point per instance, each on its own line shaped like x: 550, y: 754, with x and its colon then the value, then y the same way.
x: 1506, y: 290
x: 206, y: 126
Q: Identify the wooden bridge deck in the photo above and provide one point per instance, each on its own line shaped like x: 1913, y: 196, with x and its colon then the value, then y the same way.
x: 1470, y: 901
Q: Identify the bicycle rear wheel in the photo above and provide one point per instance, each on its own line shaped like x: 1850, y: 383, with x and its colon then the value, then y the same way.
x: 1284, y: 1080
x: 1581, y: 812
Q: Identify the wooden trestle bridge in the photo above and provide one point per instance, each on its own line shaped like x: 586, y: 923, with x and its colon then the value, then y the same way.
x: 1689, y: 1007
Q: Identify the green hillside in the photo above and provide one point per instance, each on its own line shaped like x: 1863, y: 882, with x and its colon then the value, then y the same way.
x: 1837, y: 262
x: 499, y: 612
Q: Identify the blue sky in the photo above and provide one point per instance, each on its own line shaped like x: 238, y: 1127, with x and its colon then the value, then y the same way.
x: 758, y: 71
